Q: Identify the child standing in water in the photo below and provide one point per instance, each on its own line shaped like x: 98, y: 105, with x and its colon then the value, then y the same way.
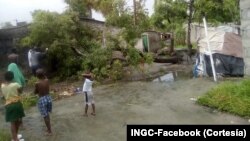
x: 13, y: 107
x: 45, y: 101
x: 87, y: 91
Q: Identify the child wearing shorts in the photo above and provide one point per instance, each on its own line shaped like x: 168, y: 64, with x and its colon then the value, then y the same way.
x: 45, y: 101
x: 88, y: 94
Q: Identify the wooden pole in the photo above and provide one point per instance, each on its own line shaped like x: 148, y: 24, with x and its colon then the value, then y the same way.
x: 209, y: 49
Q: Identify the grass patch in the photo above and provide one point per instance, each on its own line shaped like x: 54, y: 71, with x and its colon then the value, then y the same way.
x: 232, y: 97
x: 29, y: 100
x: 4, y: 135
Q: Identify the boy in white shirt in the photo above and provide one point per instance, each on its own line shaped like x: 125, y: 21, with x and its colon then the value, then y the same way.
x: 87, y: 91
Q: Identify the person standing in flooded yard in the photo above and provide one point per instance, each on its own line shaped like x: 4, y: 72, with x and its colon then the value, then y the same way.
x: 13, y: 57
x: 18, y: 77
x: 34, y: 58
x: 45, y: 100
x: 88, y: 94
x: 14, y: 111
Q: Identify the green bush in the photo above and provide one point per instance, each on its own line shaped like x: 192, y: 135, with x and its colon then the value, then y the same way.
x: 148, y: 57
x: 179, y: 36
x: 32, y: 81
x: 4, y: 135
x: 230, y: 97
x: 99, y: 61
x: 29, y: 100
x: 134, y: 57
x: 116, y: 72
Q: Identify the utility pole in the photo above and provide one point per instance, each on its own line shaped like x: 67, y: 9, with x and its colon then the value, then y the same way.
x: 238, y: 22
x: 190, y: 16
x: 135, y: 15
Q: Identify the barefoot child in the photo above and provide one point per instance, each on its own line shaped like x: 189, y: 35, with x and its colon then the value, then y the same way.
x: 87, y: 91
x: 45, y: 101
x: 13, y: 107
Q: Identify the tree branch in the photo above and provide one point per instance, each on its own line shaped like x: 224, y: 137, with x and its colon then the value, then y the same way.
x: 78, y: 52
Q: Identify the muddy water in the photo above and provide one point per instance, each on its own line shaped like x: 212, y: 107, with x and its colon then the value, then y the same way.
x: 126, y: 103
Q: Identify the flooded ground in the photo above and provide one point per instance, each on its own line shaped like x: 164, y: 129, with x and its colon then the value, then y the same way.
x: 167, y: 97
x: 152, y: 102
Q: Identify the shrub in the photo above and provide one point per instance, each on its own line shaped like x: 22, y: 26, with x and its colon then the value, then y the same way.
x: 99, y: 61
x: 32, y: 81
x: 116, y: 71
x: 134, y: 57
x: 29, y: 100
x: 148, y: 57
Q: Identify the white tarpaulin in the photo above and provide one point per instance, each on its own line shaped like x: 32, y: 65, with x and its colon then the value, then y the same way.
x: 227, y: 51
x: 225, y: 43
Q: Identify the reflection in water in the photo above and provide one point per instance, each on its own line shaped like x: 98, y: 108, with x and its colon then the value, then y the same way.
x: 170, y: 77
x: 173, y: 76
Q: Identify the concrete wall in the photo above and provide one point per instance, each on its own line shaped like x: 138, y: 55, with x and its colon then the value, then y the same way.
x: 8, y: 40
x: 245, y: 29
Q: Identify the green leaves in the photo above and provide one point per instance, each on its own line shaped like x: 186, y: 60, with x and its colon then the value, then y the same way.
x: 172, y: 15
x: 226, y: 11
x: 168, y: 13
x: 74, y: 46
x: 68, y: 40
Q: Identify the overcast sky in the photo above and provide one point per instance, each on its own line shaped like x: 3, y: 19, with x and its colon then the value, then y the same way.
x: 20, y: 10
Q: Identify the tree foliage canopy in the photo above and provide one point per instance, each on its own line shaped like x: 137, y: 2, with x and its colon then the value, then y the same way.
x: 65, y: 36
x: 171, y: 15
x: 75, y: 46
x: 217, y: 11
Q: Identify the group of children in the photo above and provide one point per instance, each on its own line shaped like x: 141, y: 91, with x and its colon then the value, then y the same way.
x: 12, y: 89
x: 14, y: 111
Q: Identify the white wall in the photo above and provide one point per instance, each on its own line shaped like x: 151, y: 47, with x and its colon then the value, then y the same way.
x: 245, y: 29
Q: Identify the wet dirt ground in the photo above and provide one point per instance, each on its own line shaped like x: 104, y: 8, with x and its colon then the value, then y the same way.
x: 125, y: 103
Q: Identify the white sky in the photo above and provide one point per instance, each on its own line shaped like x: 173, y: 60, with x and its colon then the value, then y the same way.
x: 20, y: 10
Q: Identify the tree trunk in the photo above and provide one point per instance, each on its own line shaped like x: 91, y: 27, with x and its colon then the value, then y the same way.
x: 135, y: 15
x: 90, y: 14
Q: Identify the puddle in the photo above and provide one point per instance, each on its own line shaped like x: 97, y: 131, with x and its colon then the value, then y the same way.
x: 165, y: 78
x: 173, y: 76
